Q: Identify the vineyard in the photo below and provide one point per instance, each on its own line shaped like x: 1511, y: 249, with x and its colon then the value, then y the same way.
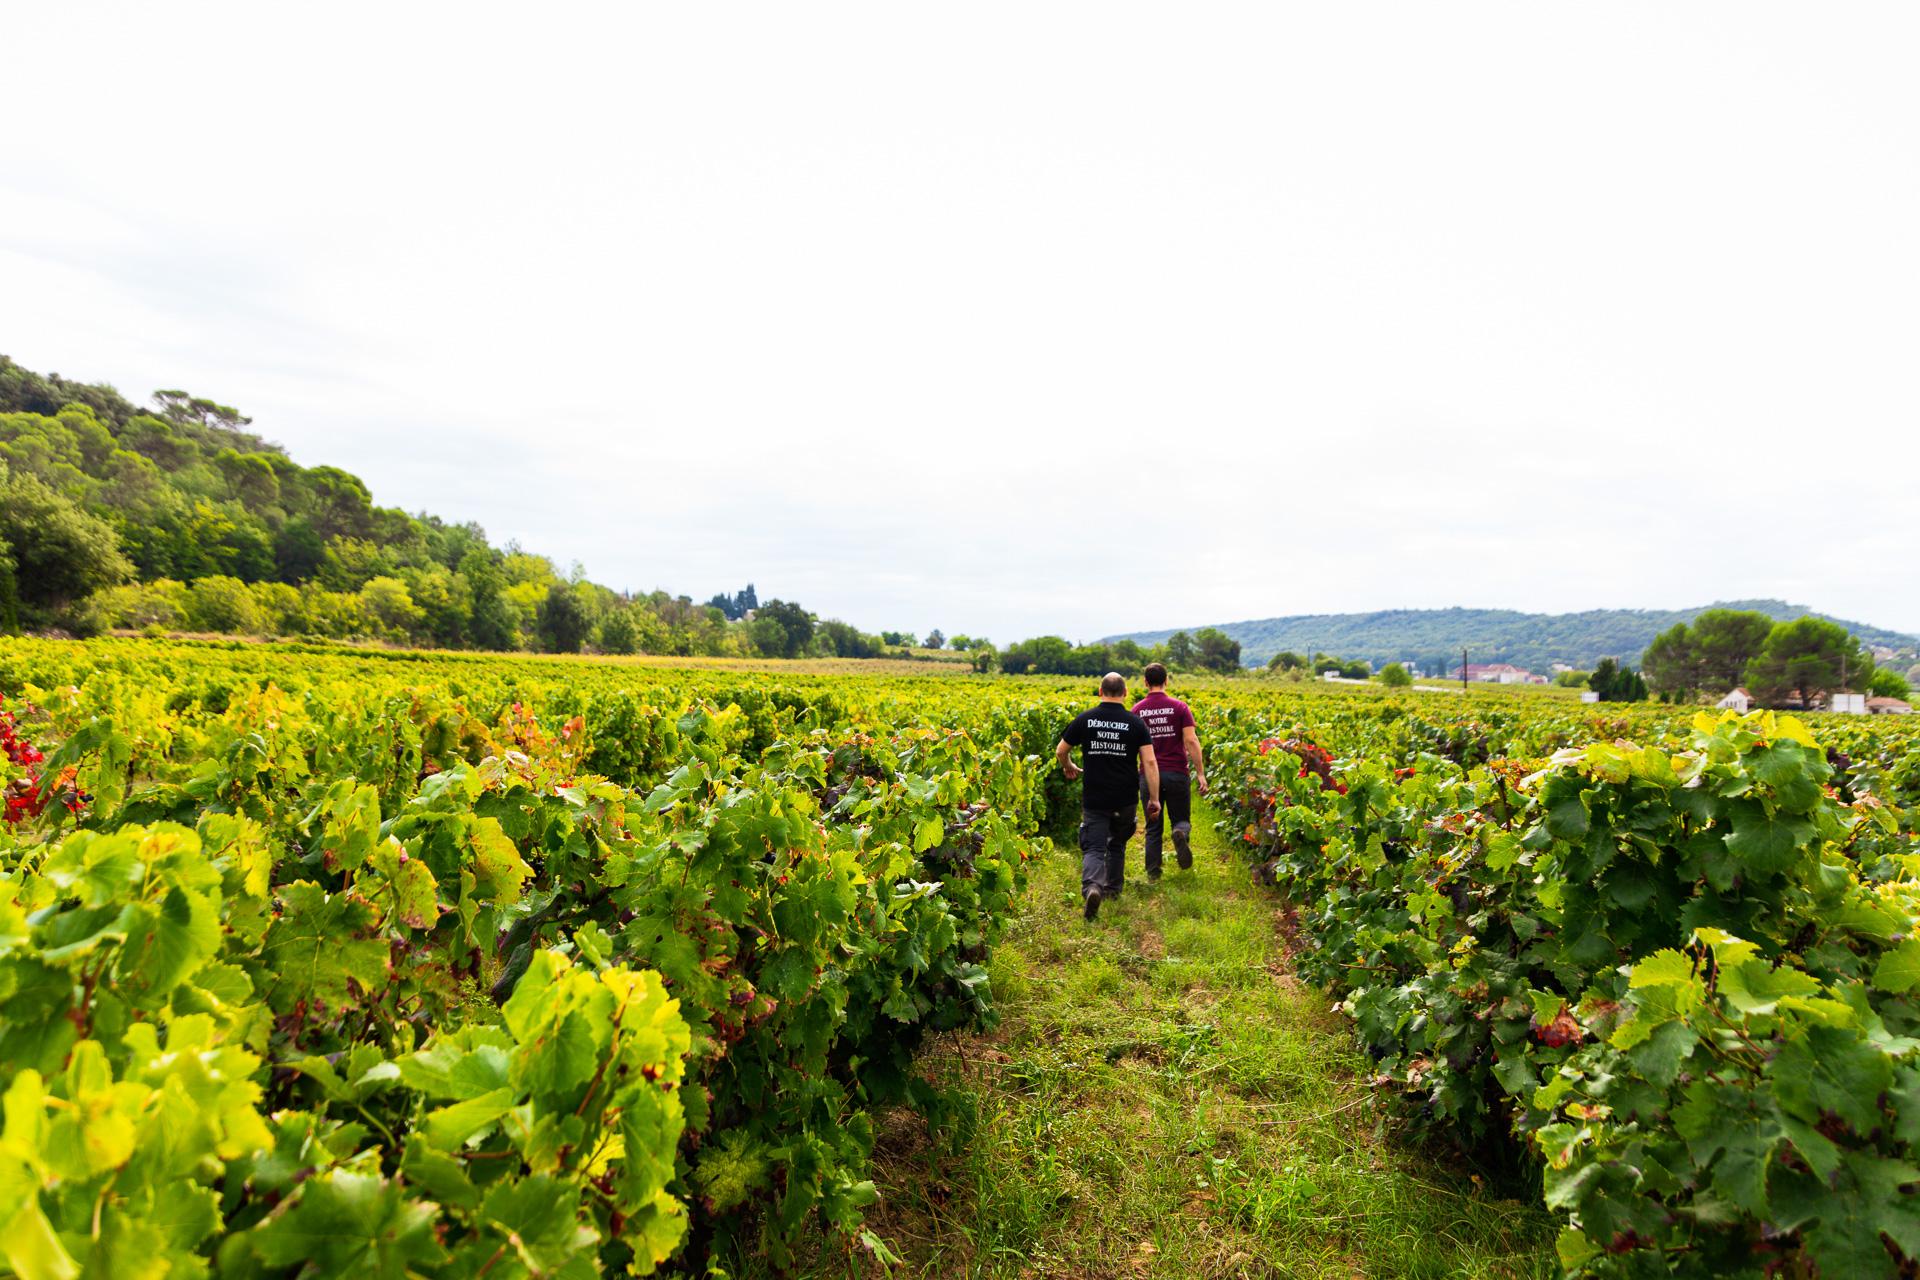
x: 316, y: 962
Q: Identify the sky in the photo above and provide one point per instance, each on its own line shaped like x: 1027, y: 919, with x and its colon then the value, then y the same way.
x: 1014, y: 319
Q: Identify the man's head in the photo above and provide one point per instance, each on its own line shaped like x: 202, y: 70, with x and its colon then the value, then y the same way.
x: 1156, y: 674
x: 1113, y: 685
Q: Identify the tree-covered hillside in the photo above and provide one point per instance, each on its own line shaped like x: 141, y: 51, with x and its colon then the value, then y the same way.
x: 1432, y: 638
x: 180, y: 517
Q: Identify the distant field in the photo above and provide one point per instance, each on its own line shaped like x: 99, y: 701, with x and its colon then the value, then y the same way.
x: 922, y: 661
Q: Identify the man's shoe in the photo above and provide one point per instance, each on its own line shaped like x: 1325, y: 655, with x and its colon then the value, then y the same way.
x: 1153, y: 877
x: 1091, y: 906
x: 1183, y: 851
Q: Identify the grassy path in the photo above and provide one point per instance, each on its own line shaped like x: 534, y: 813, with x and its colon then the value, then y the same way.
x: 1164, y: 1099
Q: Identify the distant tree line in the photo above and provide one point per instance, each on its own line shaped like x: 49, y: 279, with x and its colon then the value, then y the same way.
x: 1324, y: 664
x: 1205, y: 650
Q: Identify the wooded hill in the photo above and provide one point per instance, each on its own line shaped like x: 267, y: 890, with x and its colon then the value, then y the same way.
x: 1432, y: 638
x: 180, y: 517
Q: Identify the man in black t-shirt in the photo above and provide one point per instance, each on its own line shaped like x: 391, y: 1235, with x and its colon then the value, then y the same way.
x: 1114, y: 755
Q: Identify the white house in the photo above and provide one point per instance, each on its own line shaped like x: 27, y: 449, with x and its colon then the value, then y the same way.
x: 1888, y: 707
x: 1494, y: 673
x: 1739, y: 700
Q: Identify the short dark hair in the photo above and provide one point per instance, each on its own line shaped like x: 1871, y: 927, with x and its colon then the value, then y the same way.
x: 1112, y: 686
x: 1156, y: 674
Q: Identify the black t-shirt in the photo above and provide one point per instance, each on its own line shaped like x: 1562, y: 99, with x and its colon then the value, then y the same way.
x: 1110, y: 739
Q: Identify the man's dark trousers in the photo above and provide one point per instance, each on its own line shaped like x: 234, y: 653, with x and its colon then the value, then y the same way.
x: 1103, y: 849
x: 1176, y: 807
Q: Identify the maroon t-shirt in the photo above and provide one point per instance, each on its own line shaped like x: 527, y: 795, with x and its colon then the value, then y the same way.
x: 1166, y: 719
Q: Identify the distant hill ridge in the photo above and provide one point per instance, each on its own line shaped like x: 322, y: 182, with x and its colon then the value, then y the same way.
x: 1433, y: 638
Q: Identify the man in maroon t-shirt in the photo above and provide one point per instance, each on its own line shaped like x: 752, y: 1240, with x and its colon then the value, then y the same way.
x: 1176, y: 746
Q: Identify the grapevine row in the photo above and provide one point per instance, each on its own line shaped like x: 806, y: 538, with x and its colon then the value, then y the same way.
x: 1677, y: 973
x: 452, y: 968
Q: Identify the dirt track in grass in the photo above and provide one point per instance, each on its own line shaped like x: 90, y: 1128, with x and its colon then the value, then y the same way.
x: 1163, y: 1098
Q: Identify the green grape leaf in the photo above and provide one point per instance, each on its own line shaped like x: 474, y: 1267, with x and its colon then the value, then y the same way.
x: 352, y: 823
x: 559, y: 1062
x: 1565, y: 800
x: 1658, y: 1059
x: 442, y: 1176
x: 1546, y: 1005
x: 165, y: 942
x: 499, y: 870
x: 227, y: 984
x: 1574, y: 1249
x: 462, y: 1064
x: 1906, y: 1103
x: 31, y: 1247
x: 1740, y: 1173
x: 1766, y: 843
x: 790, y: 976
x: 1833, y: 1070
x: 654, y: 1230
x: 450, y: 1126
x: 409, y: 893
x: 1663, y: 968
x: 1899, y: 969
x: 540, y: 1215
x: 350, y: 1223
x: 315, y: 951
x: 1756, y: 988
x: 1843, y: 1218
x: 105, y: 869
x: 1788, y: 768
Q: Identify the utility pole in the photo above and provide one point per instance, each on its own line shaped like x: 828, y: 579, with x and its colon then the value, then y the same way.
x: 1463, y: 670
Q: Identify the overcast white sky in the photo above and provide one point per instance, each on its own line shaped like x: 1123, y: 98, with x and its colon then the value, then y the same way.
x: 1023, y: 318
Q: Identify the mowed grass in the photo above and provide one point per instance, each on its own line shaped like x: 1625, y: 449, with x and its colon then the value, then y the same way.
x: 1164, y: 1099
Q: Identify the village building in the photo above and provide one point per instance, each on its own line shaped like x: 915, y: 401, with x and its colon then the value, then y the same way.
x: 1842, y: 703
x: 1888, y: 707
x: 1497, y: 673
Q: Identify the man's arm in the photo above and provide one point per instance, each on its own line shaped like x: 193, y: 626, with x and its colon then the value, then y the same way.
x: 1063, y: 754
x: 1195, y: 761
x: 1150, y: 769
